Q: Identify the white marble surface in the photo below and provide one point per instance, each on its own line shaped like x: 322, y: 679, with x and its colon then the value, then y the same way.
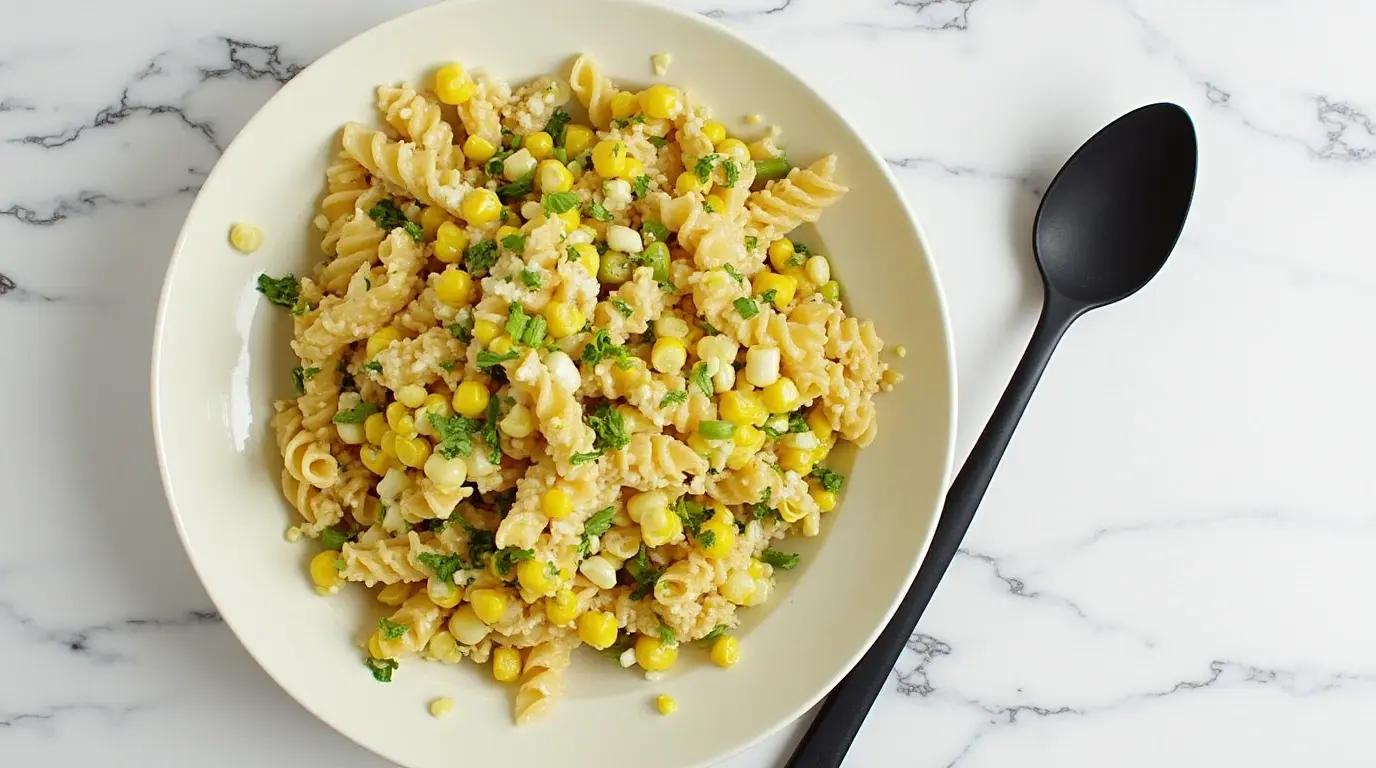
x: 1168, y: 569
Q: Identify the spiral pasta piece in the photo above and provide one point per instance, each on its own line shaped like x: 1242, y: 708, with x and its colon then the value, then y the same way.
x: 385, y: 561
x: 594, y: 89
x: 321, y: 399
x: 306, y: 454
x: 428, y: 501
x: 532, y: 105
x: 356, y: 246
x: 481, y: 113
x: 419, y: 119
x: 316, y: 506
x: 422, y: 360
x: 368, y: 304
x: 782, y: 205
x: 542, y: 680
x: 557, y: 411
x: 415, y: 171
x: 419, y: 619
x: 631, y: 309
x: 651, y: 462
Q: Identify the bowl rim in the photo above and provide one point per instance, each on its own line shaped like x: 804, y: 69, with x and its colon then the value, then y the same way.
x: 684, y: 16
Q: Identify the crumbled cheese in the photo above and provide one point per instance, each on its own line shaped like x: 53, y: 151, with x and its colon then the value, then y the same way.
x: 293, y: 534
x: 624, y: 239
x: 627, y: 658
x: 618, y: 194
x: 660, y: 63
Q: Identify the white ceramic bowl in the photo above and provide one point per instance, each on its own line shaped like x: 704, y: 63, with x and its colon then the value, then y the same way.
x: 221, y: 355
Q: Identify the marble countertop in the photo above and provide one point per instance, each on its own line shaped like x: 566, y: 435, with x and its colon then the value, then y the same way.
x: 1168, y: 569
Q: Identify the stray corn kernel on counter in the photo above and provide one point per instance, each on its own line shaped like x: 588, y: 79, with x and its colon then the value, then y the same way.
x: 564, y: 380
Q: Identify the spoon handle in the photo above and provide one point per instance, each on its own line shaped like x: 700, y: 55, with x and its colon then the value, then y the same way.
x: 838, y: 721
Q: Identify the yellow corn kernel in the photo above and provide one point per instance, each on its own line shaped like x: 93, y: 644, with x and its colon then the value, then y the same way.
x: 635, y: 420
x: 624, y: 105
x: 466, y: 627
x: 540, y: 144
x: 632, y: 169
x: 437, y: 404
x: 443, y: 647
x: 641, y: 503
x: 736, y: 149
x: 668, y: 355
x: 748, y: 441
x: 444, y: 705
x: 374, y: 459
x: 726, y: 651
x: 413, y: 451
x: 588, y: 258
x: 688, y: 182
x: 443, y: 593
x: 471, y: 399
x: 597, y: 629
x: 609, y: 158
x: 820, y: 453
x: 666, y: 704
x: 742, y: 408
x: 480, y: 206
x: 659, y: 101
x: 430, y: 220
x: 716, y: 539
x: 700, y: 445
x: 556, y: 504
x: 485, y: 331
x: 401, y: 421
x: 714, y: 204
x: 781, y: 396
x: 738, y: 588
x: 660, y: 526
x: 375, y: 647
x: 505, y: 231
x: 653, y: 655
x: 388, y: 443
x: 553, y: 176
x: 796, y: 459
x: 535, y: 577
x: 478, y: 149
x: 245, y: 238
x: 722, y: 514
x: 501, y: 345
x: 411, y: 395
x: 571, y: 219
x: 454, y: 287
x: 563, y: 319
x: 381, y: 340
x: 714, y: 131
x: 784, y: 287
x: 324, y: 570
x: 825, y: 500
x: 489, y: 604
x: 450, y: 241
x: 453, y: 85
x: 562, y: 609
x: 517, y: 422
x: 394, y: 594
x: 817, y: 422
x: 577, y: 139
x: 374, y: 427
x: 506, y: 664
x: 627, y: 377
x: 780, y: 251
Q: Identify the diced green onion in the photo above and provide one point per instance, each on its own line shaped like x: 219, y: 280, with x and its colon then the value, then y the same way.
x: 716, y: 430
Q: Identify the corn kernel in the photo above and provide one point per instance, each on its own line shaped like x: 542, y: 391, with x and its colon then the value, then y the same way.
x: 588, y: 258
x: 394, y: 594
x: 653, y: 655
x: 660, y: 101
x: 666, y: 704
x: 374, y: 427
x: 535, y: 577
x: 818, y: 423
x: 324, y: 570
x: 413, y: 451
x: 540, y: 144
x: 577, y: 139
x: 489, y: 604
x: 668, y: 355
x: 454, y: 287
x: 444, y: 705
x: 571, y: 219
x: 478, y: 149
x: 556, y: 504
x: 485, y: 331
x: 689, y: 182
x: 411, y: 395
x: 552, y: 176
x: 714, y: 204
x: 245, y: 238
x: 563, y: 319
x: 818, y: 270
x: 719, y: 543
x: 649, y: 501
x: 518, y: 164
x: 480, y: 206
x: 517, y: 422
x: 781, y: 396
x: 453, y: 85
x: 726, y: 651
x: 501, y: 345
x: 739, y: 587
x: 796, y: 460
x: 400, y: 420
x: 381, y: 340
x: 466, y: 627
x: 762, y: 365
x: 780, y: 252
x: 825, y: 500
x: 450, y: 241
x: 784, y: 287
x: 471, y: 399
x: 506, y: 664
x: 609, y: 158
x: 714, y: 132
x: 623, y: 105
x: 562, y: 609
x: 443, y: 593
x: 660, y: 526
x: 597, y: 629
x: 374, y: 459
x: 735, y: 149
x: 741, y: 408
x: 388, y: 443
x: 446, y: 473
x: 632, y: 169
x: 599, y: 570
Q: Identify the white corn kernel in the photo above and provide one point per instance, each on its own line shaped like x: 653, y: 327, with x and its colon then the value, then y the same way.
x: 563, y: 371
x: 627, y: 658
x: 351, y: 434
x: 392, y: 484
x: 446, y: 473
x: 581, y: 236
x: 530, y: 209
x: 624, y: 239
x: 818, y: 269
x: 660, y: 62
x: 599, y: 571
x: 672, y: 327
x: 762, y: 365
x: 518, y: 164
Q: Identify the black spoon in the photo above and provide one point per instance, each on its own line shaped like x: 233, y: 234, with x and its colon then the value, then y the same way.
x: 1105, y: 227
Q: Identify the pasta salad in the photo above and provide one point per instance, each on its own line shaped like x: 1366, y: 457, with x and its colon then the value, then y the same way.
x: 564, y: 377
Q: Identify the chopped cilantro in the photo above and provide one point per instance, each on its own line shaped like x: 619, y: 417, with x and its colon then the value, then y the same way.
x: 462, y: 331
x: 518, y: 188
x: 642, y: 186
x: 515, y: 243
x: 673, y: 398
x: 701, y: 379
x: 644, y: 574
x: 797, y: 424
x: 510, y: 556
x: 488, y: 359
x: 556, y: 203
x: 448, y: 365
x: 373, y: 366
x: 703, y: 167
x: 392, y: 630
x: 621, y: 306
x: 648, y: 337
x: 443, y: 566
x: 489, y: 429
x: 654, y: 231
x: 579, y: 459
x: 493, y: 167
x: 708, y: 328
x: 692, y: 513
x: 707, y: 539
x: 480, y: 545
x: 667, y: 287
x: 610, y: 427
x: 334, y: 539
x: 601, y: 348
x: 558, y: 123
x: 716, y: 632
x: 572, y: 253
x: 299, y: 377
x: 531, y: 278
x: 281, y: 291
x: 516, y: 320
x: 784, y: 561
x: 769, y: 295
x: 357, y: 414
x: 455, y: 433
x: 598, y: 524
x: 597, y: 211
x: 387, y: 216
x: 667, y: 638
x: 746, y: 307
x: 733, y: 172
x: 761, y: 508
x: 381, y: 668
x: 830, y: 481
x: 480, y: 256
x: 802, y: 248
x: 659, y: 142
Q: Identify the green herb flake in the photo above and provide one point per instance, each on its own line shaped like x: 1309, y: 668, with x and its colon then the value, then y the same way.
x: 392, y: 630
x: 480, y: 545
x: 797, y: 423
x: 281, y: 291
x: 357, y: 414
x: 480, y: 256
x: 701, y: 379
x: 644, y: 574
x: 518, y: 188
x: 747, y: 308
x: 703, y: 167
x: 601, y: 348
x: 381, y: 668
x: 579, y: 459
x: 509, y: 557
x: 716, y: 632
x: 372, y: 366
x: 609, y: 426
x: 387, y: 216
x: 733, y: 172
x: 413, y: 229
x: 752, y: 242
x: 769, y: 295
x: 598, y: 524
x: 667, y: 638
x: 455, y: 433
x: 448, y: 365
x: 707, y: 539
x: 598, y: 211
x: 692, y: 514
x: 531, y: 279
x: 299, y: 377
x: 659, y: 142
x: 462, y: 331
x: 708, y: 328
x: 572, y: 253
x: 515, y: 243
x: 734, y: 273
x: 641, y: 188
x: 829, y: 480
x: 621, y: 306
x: 673, y: 398
x: 335, y: 539
x: 489, y: 429
x: 761, y: 508
x: 784, y: 561
x: 443, y: 566
x: 654, y: 231
x: 557, y: 126
x: 556, y: 203
x: 489, y: 360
